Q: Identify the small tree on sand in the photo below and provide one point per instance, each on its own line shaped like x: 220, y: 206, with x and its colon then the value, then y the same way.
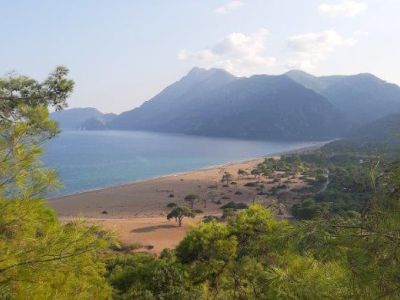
x: 242, y: 172
x: 256, y: 173
x: 227, y: 177
x: 180, y: 212
x: 192, y: 199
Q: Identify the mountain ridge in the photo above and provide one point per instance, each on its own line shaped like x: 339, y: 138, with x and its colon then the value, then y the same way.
x: 362, y: 97
x: 85, y: 118
x: 291, y: 106
x: 214, y: 105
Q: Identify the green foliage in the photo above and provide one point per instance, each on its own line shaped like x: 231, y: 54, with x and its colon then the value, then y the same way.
x: 142, y: 276
x: 42, y: 257
x: 255, y: 256
x: 309, y: 209
x: 24, y: 126
x: 251, y: 257
x: 207, y: 250
x: 338, y: 182
x: 18, y: 90
x: 291, y: 163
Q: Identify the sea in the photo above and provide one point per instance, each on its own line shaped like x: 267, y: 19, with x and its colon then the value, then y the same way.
x: 88, y: 160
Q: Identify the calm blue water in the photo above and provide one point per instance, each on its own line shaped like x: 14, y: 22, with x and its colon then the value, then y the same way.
x: 87, y: 160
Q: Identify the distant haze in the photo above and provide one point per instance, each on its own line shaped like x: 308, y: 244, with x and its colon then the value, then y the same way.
x: 122, y: 53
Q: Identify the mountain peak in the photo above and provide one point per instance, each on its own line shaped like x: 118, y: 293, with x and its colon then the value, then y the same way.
x: 368, y: 76
x: 298, y: 72
x: 199, y: 75
x: 196, y: 70
x: 201, y: 72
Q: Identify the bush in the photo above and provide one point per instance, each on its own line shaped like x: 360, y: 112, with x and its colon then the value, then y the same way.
x: 234, y: 205
x: 308, y: 209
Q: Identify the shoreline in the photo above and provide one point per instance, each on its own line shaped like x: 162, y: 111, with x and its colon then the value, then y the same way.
x: 210, y: 167
x: 137, y: 212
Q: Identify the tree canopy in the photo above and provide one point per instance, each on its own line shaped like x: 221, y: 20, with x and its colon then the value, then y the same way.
x: 40, y: 256
x: 180, y: 212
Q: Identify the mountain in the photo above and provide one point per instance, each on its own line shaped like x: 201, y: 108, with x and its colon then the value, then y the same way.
x: 173, y: 102
x: 363, y: 97
x: 78, y: 118
x: 216, y: 103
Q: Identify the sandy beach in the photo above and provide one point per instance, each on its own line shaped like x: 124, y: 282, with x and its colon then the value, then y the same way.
x: 149, y: 198
x: 137, y: 212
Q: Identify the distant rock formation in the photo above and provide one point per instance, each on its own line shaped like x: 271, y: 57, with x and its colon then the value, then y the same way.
x: 82, y: 118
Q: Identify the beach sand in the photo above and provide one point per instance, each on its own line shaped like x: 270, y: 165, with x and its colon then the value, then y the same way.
x: 137, y: 212
x: 152, y: 234
x: 149, y: 198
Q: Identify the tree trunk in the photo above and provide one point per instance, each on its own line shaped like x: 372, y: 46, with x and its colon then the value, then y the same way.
x: 180, y: 221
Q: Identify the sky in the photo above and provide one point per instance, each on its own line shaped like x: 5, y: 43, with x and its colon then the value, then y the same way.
x: 122, y: 52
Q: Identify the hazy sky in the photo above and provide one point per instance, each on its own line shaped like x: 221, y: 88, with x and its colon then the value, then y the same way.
x: 122, y: 53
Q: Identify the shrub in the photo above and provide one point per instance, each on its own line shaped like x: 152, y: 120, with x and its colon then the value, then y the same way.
x: 234, y: 205
x: 251, y: 184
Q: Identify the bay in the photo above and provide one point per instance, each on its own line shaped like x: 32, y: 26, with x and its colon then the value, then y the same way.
x: 87, y: 160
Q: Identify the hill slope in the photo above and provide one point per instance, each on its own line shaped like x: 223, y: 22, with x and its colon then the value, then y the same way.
x: 385, y: 130
x: 379, y: 136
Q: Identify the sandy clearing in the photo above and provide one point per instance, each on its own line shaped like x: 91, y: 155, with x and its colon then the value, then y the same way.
x: 156, y: 232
